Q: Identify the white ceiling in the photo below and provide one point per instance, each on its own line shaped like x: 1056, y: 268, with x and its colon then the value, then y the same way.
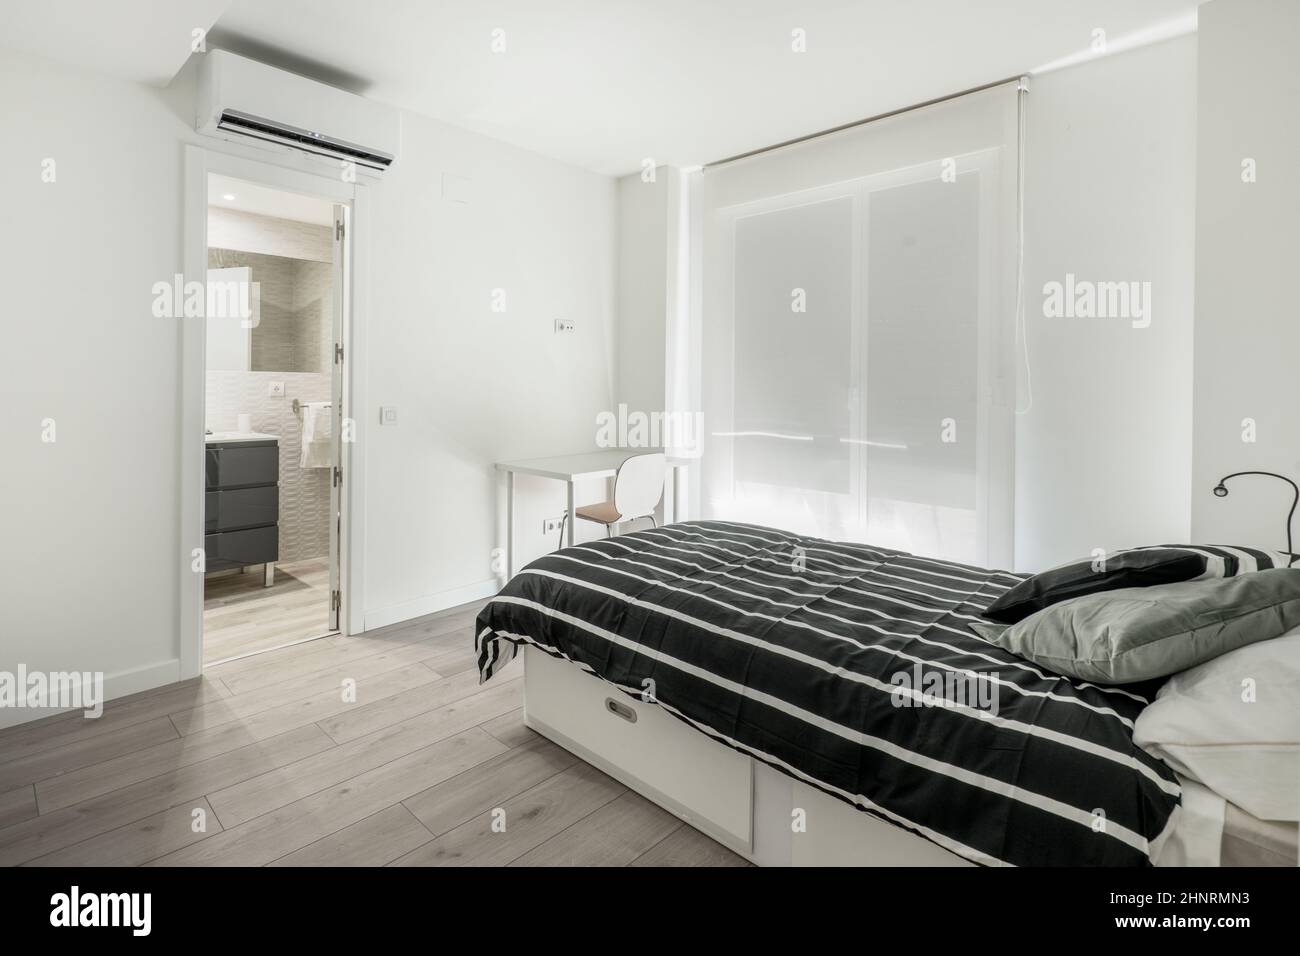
x: 265, y: 201
x: 606, y: 83
x: 143, y: 40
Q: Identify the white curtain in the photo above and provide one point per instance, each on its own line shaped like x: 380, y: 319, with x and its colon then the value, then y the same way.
x: 855, y: 307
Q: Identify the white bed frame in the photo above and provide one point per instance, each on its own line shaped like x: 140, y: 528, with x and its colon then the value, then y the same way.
x: 764, y: 815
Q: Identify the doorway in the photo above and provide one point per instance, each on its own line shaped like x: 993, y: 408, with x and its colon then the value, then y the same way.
x: 271, y: 392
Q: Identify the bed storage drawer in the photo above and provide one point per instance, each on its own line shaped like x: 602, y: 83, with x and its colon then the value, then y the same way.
x: 642, y: 746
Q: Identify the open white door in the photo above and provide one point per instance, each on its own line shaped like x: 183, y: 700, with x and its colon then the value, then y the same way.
x: 338, y: 301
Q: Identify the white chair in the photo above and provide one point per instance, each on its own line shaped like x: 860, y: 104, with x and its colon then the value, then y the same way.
x: 638, y: 486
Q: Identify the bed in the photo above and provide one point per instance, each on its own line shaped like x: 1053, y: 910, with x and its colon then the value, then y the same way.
x: 808, y: 701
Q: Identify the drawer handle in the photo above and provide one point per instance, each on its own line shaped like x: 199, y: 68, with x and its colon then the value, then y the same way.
x: 620, y: 709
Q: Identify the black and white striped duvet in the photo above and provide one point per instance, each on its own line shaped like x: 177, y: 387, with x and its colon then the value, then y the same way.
x: 787, y: 648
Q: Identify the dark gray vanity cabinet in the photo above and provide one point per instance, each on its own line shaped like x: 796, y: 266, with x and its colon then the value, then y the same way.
x: 242, y: 504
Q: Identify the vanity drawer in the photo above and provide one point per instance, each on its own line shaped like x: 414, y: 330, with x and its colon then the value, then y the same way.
x: 242, y: 508
x: 236, y: 549
x: 245, y: 465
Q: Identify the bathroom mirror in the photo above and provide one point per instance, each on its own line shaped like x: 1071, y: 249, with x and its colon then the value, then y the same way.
x: 290, y: 326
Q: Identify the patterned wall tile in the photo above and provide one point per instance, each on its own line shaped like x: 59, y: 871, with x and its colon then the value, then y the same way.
x: 304, y: 492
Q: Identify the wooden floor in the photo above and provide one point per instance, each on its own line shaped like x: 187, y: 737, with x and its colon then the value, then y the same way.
x: 243, y: 616
x: 282, y: 767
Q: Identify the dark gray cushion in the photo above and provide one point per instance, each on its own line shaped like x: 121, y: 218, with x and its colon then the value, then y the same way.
x: 1136, y: 634
x: 1136, y: 567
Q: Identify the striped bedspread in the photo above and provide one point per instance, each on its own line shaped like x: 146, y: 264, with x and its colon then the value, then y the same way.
x: 856, y: 670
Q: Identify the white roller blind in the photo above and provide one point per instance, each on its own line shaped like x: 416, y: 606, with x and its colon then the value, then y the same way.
x: 856, y: 319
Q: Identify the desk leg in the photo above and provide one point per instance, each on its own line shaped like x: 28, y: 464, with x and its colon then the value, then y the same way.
x: 670, y: 496
x: 573, y: 517
x: 510, y: 525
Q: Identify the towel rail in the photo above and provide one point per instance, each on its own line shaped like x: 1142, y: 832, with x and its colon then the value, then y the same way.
x: 297, y: 406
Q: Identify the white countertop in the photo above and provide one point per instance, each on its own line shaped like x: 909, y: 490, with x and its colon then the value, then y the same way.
x: 217, y: 438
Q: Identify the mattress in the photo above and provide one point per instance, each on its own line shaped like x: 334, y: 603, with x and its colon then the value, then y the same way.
x: 843, y: 666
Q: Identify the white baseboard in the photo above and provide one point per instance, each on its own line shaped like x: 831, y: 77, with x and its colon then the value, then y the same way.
x: 396, y: 613
x: 118, y: 684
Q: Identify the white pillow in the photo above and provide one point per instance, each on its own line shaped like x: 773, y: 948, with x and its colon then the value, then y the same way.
x: 1233, y: 724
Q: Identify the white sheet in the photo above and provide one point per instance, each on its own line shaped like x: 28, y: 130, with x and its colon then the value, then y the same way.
x: 1197, y: 836
x: 1233, y: 725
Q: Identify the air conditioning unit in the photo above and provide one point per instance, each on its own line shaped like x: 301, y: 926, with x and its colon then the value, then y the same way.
x: 241, y: 99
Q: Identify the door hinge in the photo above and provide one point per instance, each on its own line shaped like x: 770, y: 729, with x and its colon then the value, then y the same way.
x: 338, y: 229
x: 338, y: 353
x: 336, y: 600
x: 338, y: 476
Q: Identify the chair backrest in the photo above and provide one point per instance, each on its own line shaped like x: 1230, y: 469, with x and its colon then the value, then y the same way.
x: 639, y: 485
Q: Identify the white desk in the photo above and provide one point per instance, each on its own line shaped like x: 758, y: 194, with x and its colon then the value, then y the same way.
x: 571, y: 469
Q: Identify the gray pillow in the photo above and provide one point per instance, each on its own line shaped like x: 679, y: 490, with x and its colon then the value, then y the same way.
x: 1136, y: 634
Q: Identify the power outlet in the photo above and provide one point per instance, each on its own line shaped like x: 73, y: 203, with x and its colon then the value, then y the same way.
x: 552, y: 525
x: 564, y: 325
x: 276, y: 390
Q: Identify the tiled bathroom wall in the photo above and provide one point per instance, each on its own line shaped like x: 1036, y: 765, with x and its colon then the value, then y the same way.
x: 293, y: 336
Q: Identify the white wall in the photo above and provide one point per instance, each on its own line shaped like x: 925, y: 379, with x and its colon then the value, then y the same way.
x: 1247, y: 326
x: 1104, y: 455
x: 90, y: 571
x: 472, y: 386
x: 643, y: 250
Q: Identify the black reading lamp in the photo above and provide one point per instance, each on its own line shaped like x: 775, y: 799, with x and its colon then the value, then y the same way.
x: 1221, y: 491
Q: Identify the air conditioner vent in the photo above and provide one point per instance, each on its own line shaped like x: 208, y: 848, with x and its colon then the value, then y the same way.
x: 316, y: 143
x: 244, y: 99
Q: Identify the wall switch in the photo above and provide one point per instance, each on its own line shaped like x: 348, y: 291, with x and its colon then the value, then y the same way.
x: 277, y: 390
x: 552, y: 525
x: 388, y: 415
x: 564, y: 325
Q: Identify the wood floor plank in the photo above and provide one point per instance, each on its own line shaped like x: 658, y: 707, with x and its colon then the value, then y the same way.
x: 363, y: 720
x: 17, y: 805
x: 142, y: 764
x: 475, y: 792
x: 87, y: 752
x: 55, y: 830
x: 450, y: 662
x: 292, y: 827
x: 290, y: 773
x: 253, y: 701
x: 258, y: 795
x: 140, y: 841
x: 241, y: 615
x: 614, y: 835
x: 511, y: 730
x: 687, y: 846
x: 374, y: 841
x: 42, y: 735
x: 253, y: 673
x: 531, y: 818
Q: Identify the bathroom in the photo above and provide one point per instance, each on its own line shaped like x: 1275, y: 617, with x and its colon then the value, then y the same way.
x: 270, y: 448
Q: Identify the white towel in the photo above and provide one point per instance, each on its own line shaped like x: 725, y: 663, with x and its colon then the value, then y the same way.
x: 316, y: 419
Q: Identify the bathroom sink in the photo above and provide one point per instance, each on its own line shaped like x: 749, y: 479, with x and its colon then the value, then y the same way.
x: 220, y: 437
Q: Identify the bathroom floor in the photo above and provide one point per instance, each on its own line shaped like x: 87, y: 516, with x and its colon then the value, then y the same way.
x: 240, y: 616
